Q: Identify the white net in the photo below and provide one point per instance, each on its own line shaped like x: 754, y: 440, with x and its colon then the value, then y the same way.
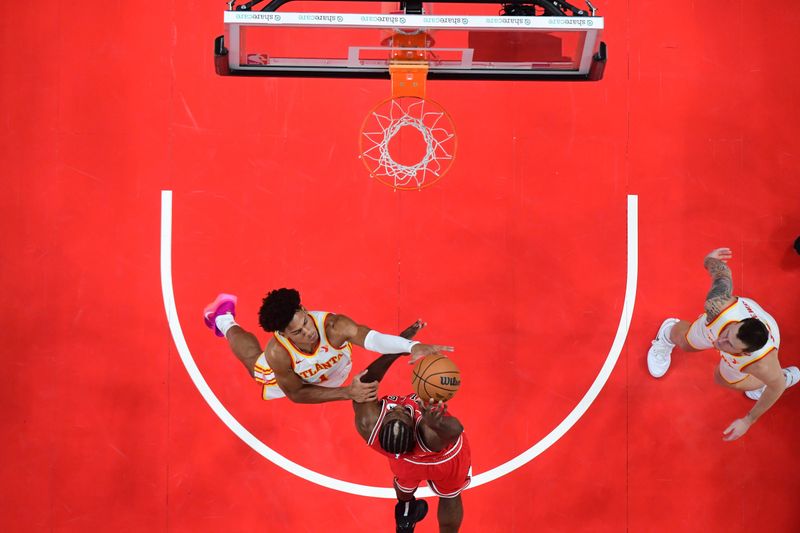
x: 408, y: 142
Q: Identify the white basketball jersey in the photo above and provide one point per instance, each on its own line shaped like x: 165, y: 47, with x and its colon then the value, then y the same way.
x: 327, y: 363
x: 741, y: 309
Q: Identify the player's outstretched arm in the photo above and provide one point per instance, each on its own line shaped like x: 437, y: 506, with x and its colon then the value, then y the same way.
x: 439, y: 429
x: 367, y: 413
x: 768, y: 371
x: 299, y: 391
x: 376, y: 341
x: 720, y: 295
x: 377, y: 369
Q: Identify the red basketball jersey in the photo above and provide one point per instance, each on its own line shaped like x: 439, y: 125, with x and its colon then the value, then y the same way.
x: 420, y: 455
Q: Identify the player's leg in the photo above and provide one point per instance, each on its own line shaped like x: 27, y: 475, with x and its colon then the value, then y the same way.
x: 749, y: 384
x: 403, y: 495
x: 679, y: 335
x: 688, y: 336
x: 245, y: 346
x: 450, y: 514
x: 408, y: 510
x: 219, y: 316
x: 447, y: 481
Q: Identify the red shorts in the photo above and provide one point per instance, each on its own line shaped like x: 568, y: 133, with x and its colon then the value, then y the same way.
x: 447, y: 479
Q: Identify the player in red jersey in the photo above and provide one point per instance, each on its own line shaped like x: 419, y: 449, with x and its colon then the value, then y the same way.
x: 423, y: 443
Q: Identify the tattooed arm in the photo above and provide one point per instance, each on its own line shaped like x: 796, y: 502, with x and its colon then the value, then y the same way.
x: 721, y: 294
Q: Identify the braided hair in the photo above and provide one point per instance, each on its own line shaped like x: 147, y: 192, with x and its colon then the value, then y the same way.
x: 396, y: 437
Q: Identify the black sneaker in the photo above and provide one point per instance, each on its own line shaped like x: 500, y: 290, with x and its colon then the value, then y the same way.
x: 407, y: 514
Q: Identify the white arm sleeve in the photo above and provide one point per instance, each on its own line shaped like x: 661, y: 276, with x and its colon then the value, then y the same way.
x: 382, y: 343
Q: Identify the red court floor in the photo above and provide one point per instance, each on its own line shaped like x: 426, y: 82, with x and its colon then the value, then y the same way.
x: 518, y: 258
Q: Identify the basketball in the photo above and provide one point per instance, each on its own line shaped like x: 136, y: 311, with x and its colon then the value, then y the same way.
x: 435, y: 377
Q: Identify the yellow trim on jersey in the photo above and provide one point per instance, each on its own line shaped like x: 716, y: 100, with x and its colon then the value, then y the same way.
x: 709, y: 324
x: 287, y: 348
x: 296, y: 348
x: 759, y: 358
x: 733, y: 382
x: 325, y: 332
x: 725, y: 325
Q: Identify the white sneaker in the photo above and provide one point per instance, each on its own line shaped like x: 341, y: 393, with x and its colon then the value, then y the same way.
x: 659, y: 355
x: 792, y: 375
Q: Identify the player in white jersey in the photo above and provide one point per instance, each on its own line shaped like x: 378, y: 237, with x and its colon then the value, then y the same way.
x: 308, y: 357
x: 746, y: 336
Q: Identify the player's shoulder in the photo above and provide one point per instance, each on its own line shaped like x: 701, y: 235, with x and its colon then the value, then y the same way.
x: 276, y: 353
x: 331, y: 318
x: 751, y: 306
x: 767, y: 367
x: 717, y: 306
x: 338, y: 323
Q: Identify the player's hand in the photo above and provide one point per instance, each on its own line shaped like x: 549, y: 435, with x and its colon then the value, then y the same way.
x: 722, y: 254
x: 362, y: 392
x: 432, y: 411
x: 413, y: 329
x: 737, y: 429
x: 418, y: 351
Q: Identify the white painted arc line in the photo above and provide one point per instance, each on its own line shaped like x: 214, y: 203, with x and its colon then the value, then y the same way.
x: 383, y: 492
x: 211, y: 398
x: 605, y: 371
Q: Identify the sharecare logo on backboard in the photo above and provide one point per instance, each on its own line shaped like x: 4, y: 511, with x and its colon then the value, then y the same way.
x: 445, y: 20
x: 258, y: 16
x: 566, y: 21
x: 513, y: 21
x: 383, y: 18
x: 320, y: 17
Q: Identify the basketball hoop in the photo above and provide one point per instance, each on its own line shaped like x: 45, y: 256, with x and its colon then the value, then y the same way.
x: 408, y: 142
